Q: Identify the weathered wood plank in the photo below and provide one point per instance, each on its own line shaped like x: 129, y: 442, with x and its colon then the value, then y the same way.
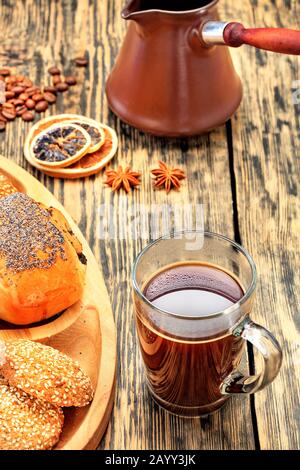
x: 136, y: 422
x: 266, y: 158
x: 34, y: 35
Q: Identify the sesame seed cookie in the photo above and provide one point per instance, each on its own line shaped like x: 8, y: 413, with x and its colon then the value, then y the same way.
x: 27, y: 423
x: 45, y: 373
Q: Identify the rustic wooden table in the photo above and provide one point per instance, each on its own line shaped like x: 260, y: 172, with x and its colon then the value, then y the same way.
x: 246, y: 174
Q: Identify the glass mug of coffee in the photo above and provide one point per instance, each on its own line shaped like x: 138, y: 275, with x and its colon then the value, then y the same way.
x: 193, y: 294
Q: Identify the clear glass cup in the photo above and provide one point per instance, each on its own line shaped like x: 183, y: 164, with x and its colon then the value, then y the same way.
x: 192, y: 362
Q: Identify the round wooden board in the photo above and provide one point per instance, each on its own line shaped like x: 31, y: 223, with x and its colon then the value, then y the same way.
x: 85, y: 332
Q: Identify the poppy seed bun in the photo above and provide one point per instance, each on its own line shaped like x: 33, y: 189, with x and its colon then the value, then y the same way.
x: 42, y: 267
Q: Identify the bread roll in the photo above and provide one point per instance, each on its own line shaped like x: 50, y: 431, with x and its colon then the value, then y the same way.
x: 42, y: 268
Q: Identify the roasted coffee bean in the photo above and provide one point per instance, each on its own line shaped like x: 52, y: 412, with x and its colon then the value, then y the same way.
x: 18, y: 89
x: 41, y: 106
x: 7, y: 105
x: 50, y: 97
x: 81, y: 61
x: 32, y: 90
x: 71, y: 80
x: 2, y: 126
x: 54, y: 70
x: 56, y: 79
x: 9, y: 114
x: 61, y: 87
x: 21, y: 110
x: 30, y: 104
x: 50, y: 89
x: 26, y: 82
x: 23, y: 96
x: 4, y: 72
x: 9, y: 95
x: 23, y: 84
x: 11, y: 79
x: 37, y: 97
x: 28, y: 116
x: 16, y: 102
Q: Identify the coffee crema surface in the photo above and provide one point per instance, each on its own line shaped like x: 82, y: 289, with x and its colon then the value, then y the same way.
x: 193, y: 290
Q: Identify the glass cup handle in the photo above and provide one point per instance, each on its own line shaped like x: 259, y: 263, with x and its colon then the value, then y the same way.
x: 271, y: 352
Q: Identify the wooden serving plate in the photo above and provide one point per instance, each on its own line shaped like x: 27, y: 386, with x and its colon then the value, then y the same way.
x: 85, y: 332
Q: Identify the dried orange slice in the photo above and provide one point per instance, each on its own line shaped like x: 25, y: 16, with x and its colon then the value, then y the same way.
x: 89, y: 164
x: 60, y: 145
x: 91, y: 159
x: 94, y: 130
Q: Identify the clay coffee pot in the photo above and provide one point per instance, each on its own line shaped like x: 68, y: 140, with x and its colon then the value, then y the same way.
x: 174, y: 75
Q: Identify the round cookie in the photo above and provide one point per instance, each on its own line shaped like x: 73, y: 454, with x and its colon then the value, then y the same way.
x: 26, y: 422
x: 45, y: 373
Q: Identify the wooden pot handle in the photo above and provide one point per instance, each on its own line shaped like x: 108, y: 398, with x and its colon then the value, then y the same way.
x: 286, y: 41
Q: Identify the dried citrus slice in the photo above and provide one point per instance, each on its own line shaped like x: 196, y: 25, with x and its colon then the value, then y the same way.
x: 60, y: 145
x: 91, y: 159
x: 89, y: 164
x: 95, y: 132
x: 49, y: 121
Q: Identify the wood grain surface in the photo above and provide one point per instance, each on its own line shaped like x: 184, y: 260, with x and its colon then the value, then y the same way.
x: 246, y: 174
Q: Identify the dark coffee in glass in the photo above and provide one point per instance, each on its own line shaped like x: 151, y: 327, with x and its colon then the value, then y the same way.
x: 189, y: 290
x: 192, y: 317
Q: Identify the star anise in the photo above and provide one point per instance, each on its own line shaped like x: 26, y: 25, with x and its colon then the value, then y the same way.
x: 120, y: 178
x: 167, y: 177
